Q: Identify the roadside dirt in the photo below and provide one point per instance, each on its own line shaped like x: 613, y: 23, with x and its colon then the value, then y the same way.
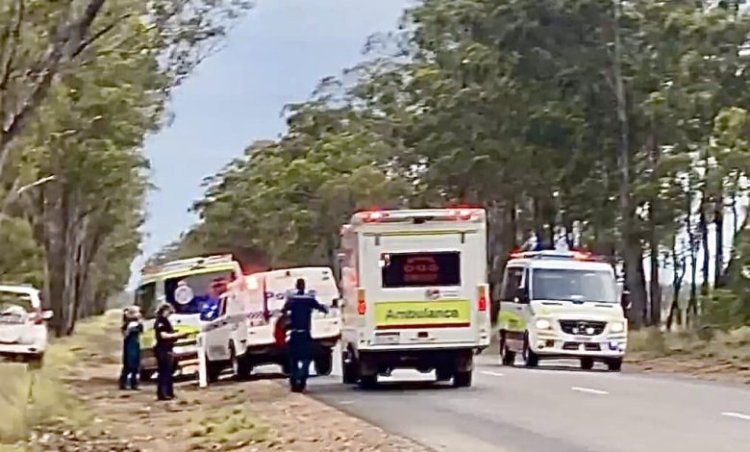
x: 724, y: 370
x: 257, y: 415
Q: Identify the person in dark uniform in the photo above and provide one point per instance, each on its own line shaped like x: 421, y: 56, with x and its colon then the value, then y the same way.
x: 298, y: 312
x: 165, y: 339
x: 131, y: 348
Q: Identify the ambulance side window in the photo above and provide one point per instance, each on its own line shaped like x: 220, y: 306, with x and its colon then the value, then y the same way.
x: 511, y: 283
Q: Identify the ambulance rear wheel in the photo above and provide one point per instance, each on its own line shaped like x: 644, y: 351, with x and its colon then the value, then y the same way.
x: 241, y: 366
x: 213, y: 371
x: 324, y: 363
x: 462, y: 379
x: 587, y: 363
x: 507, y: 356
x: 614, y: 365
x: 348, y: 369
x: 368, y: 381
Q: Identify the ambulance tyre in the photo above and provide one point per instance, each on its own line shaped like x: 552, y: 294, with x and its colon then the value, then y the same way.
x: 324, y: 363
x: 587, y: 363
x: 443, y: 374
x: 241, y: 366
x: 368, y: 381
x: 348, y: 368
x: 614, y: 365
x: 146, y: 374
x: 507, y: 356
x: 213, y: 371
x: 530, y: 358
x: 462, y: 379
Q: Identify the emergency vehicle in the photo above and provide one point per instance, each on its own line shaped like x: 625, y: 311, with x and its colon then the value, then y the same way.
x: 248, y: 332
x: 186, y: 284
x: 415, y: 293
x: 561, y: 304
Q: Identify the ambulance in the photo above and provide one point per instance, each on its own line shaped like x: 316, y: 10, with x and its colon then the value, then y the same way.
x: 561, y: 304
x: 186, y: 284
x: 248, y: 332
x: 415, y: 293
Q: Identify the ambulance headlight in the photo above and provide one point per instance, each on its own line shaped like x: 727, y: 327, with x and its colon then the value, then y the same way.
x: 543, y: 324
x: 617, y: 327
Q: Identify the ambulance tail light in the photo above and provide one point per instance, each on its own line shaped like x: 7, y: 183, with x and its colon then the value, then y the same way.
x: 482, y: 298
x: 361, y: 302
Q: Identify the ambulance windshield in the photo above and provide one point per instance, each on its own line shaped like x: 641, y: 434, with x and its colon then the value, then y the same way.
x: 573, y: 285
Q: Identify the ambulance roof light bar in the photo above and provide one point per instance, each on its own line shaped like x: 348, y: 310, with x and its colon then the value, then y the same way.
x: 408, y: 215
x: 557, y: 255
x: 193, y: 262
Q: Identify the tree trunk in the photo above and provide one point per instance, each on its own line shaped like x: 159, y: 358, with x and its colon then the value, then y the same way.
x: 719, y: 237
x: 703, y: 227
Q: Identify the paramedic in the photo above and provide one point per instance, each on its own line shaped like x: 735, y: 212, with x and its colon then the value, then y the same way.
x: 132, y: 328
x: 165, y: 339
x: 298, y: 310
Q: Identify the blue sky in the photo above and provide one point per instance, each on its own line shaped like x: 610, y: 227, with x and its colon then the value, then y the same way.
x: 275, y: 56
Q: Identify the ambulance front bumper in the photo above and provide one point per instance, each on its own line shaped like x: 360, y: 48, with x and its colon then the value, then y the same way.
x: 557, y: 343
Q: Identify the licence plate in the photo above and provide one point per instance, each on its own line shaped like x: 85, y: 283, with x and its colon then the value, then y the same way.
x: 387, y: 338
x: 583, y: 339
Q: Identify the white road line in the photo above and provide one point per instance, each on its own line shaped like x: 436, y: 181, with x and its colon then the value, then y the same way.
x: 346, y: 402
x: 744, y: 417
x: 589, y: 390
x: 492, y: 374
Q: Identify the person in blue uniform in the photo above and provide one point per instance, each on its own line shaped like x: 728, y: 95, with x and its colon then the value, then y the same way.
x: 132, y: 328
x: 298, y: 312
x: 165, y: 339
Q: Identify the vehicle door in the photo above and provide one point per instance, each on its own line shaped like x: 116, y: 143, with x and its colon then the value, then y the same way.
x: 514, y: 306
x: 217, y: 333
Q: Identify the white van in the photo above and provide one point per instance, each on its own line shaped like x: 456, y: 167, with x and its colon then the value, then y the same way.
x: 247, y: 333
x: 561, y: 304
x: 415, y: 293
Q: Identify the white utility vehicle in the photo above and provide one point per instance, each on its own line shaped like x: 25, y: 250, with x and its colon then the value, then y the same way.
x: 247, y: 332
x: 415, y: 293
x: 23, y: 328
x: 561, y: 304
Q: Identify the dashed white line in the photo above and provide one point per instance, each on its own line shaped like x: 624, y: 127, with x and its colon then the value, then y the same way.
x: 492, y: 374
x: 744, y: 417
x: 589, y: 390
x: 346, y: 402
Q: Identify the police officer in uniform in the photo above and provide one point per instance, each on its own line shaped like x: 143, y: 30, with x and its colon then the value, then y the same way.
x: 165, y: 339
x: 298, y: 310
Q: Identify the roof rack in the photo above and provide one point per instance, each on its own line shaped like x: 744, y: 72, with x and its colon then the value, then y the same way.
x: 190, y: 263
x: 557, y: 255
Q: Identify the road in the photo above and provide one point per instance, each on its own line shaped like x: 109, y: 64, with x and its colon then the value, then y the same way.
x: 553, y: 408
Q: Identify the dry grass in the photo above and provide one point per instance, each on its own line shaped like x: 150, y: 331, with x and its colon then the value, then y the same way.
x: 706, y: 353
x: 33, y: 397
x: 233, y: 427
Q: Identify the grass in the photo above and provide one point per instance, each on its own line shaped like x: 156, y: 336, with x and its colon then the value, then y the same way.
x: 232, y: 427
x: 732, y: 346
x: 34, y: 397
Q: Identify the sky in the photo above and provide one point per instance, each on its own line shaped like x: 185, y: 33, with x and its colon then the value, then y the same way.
x: 275, y: 56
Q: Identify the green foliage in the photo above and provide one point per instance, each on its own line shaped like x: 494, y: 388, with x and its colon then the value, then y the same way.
x: 515, y: 106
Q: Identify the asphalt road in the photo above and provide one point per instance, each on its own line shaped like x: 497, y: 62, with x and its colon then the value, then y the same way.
x: 554, y: 408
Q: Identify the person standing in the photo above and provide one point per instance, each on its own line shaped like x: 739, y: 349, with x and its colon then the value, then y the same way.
x: 165, y: 339
x: 132, y: 328
x: 298, y: 310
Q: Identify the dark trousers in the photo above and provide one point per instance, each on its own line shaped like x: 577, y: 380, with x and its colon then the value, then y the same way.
x: 165, y: 374
x: 131, y: 365
x: 300, y: 355
x: 129, y: 376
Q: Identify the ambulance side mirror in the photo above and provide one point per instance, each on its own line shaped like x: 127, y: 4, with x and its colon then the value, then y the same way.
x: 522, y: 295
x: 625, y: 301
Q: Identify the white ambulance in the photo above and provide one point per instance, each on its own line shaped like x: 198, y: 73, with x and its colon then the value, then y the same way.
x: 247, y: 332
x: 415, y: 293
x: 561, y: 304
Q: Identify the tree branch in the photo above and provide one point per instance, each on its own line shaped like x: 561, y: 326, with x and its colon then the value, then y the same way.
x: 98, y: 35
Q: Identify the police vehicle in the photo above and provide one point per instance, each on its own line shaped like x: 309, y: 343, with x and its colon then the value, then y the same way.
x: 415, y: 293
x: 561, y: 304
x: 247, y: 332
